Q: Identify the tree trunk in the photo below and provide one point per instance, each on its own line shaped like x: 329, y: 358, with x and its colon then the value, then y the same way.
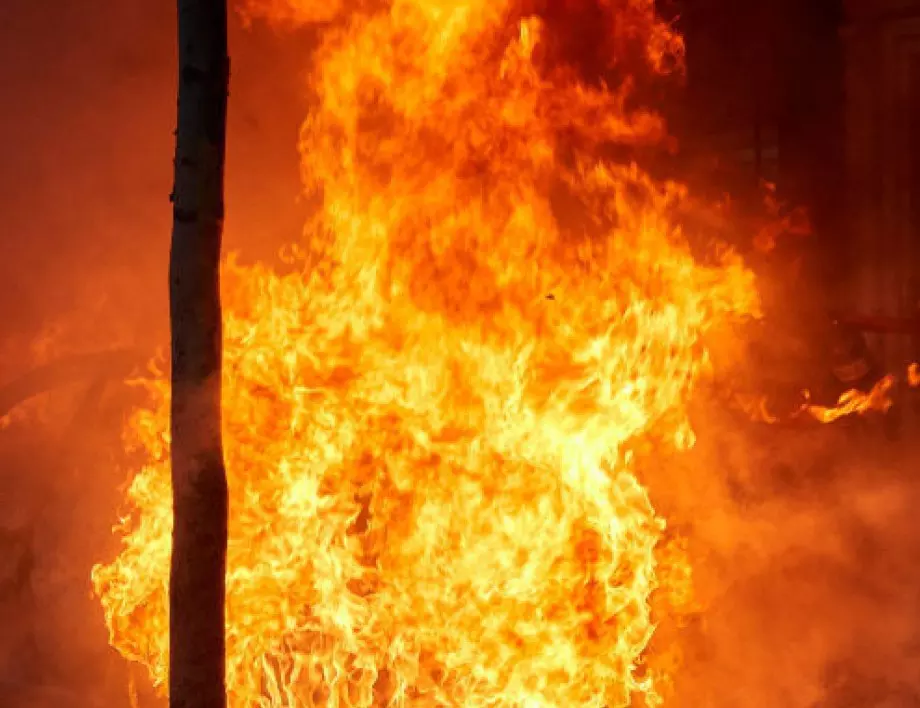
x: 199, y: 480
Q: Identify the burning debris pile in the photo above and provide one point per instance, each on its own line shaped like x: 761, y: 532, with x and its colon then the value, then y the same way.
x: 432, y: 417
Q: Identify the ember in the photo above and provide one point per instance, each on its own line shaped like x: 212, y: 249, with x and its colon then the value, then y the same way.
x: 433, y: 497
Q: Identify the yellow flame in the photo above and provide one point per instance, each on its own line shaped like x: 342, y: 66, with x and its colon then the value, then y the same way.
x: 427, y: 426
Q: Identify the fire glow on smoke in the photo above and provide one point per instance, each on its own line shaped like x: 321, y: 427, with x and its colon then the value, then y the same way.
x: 430, y: 425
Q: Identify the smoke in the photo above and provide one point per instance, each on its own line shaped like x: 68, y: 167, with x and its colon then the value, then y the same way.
x: 289, y: 14
x: 88, y: 90
x: 803, y: 540
x: 87, y: 144
x: 803, y: 544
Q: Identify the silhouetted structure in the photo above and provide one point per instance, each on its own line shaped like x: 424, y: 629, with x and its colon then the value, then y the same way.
x: 882, y: 39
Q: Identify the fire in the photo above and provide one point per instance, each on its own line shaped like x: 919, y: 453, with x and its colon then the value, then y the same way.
x: 431, y: 418
x: 913, y: 375
x: 858, y: 402
x: 851, y: 402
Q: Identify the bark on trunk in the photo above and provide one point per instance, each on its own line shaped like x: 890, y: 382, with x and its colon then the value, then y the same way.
x: 197, y: 574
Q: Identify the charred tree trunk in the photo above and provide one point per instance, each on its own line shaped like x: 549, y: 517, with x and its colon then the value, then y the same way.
x: 199, y: 480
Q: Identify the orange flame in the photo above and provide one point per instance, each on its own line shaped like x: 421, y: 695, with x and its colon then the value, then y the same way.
x: 851, y: 402
x: 913, y: 375
x: 855, y: 402
x: 859, y: 402
x: 757, y: 408
x: 794, y: 222
x: 428, y: 427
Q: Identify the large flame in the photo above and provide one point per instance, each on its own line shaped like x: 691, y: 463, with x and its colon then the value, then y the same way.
x: 430, y: 425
